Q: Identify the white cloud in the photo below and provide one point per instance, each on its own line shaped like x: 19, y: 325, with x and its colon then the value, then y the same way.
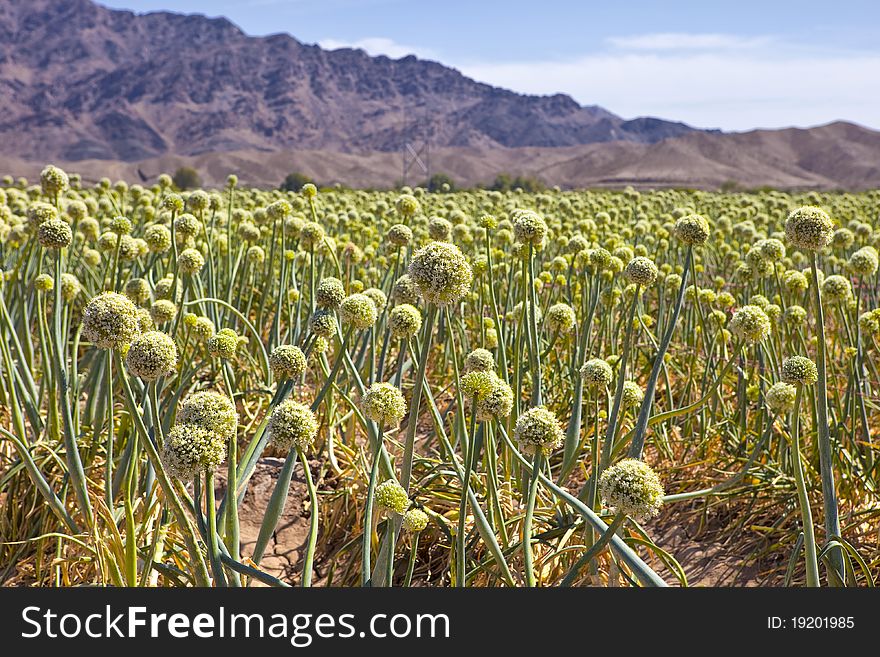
x: 380, y: 46
x: 684, y: 41
x: 707, y: 80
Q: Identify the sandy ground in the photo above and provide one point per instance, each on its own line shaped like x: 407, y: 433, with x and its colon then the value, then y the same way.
x: 708, y: 559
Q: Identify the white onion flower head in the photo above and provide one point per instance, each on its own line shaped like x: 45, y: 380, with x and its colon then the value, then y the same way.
x: 292, y: 425
x: 528, y: 227
x: 641, y: 270
x: 110, y: 320
x: 692, y: 229
x: 480, y: 360
x: 287, y: 362
x: 415, y: 520
x: 151, y: 355
x: 596, y: 373
x: 799, y: 370
x: 190, y: 450
x: 384, y: 404
x: 538, y: 428
x: 633, y: 488
x: 210, y: 410
x: 359, y: 311
x: 809, y: 228
x: 391, y: 496
x: 750, y: 324
x: 404, y: 321
x: 441, y: 273
x: 780, y: 397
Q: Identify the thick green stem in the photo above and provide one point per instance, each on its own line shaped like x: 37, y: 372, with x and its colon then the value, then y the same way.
x: 829, y: 496
x: 803, y: 498
x: 528, y: 556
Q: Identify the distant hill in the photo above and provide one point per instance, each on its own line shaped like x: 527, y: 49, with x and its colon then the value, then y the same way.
x: 836, y: 156
x: 80, y: 81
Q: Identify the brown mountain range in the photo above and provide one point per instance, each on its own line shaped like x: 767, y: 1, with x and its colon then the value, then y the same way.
x: 82, y: 81
x: 109, y: 92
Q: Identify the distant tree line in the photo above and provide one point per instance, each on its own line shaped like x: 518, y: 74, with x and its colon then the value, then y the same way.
x: 188, y: 178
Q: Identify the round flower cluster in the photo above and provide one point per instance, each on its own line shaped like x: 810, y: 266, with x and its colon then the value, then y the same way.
x: 223, y: 344
x: 795, y: 281
x: 516, y: 313
x: 488, y: 222
x: 600, y: 259
x: 641, y: 271
x: 692, y: 229
x: 384, y: 404
x: 323, y: 323
x: 190, y: 450
x: 172, y: 203
x: 800, y: 370
x: 311, y: 234
x: 843, y: 238
x: 54, y: 234
x: 477, y: 384
x: 121, y: 225
x: 287, y: 362
x: 329, y: 293
x: 809, y: 228
x: 256, y: 255
x: 70, y: 287
x: 292, y: 425
x: 377, y: 296
x: 109, y: 320
x: 770, y: 249
x: 405, y: 321
x: 209, y: 410
x: 158, y: 238
x: 441, y: 273
x: 186, y: 225
x: 837, y: 289
x: 780, y: 397
x: 44, y: 283
x: 497, y: 403
x: 795, y: 315
x: 151, y: 355
x: 391, y: 496
x: 633, y: 488
x: 163, y: 310
x: 138, y: 290
x: 864, y: 262
x: 561, y: 318
x: 407, y: 205
x: 203, y: 328
x: 479, y: 360
x: 358, y: 311
x: 144, y: 320
x: 632, y: 394
x: 538, y: 428
x: 190, y: 261
x: 404, y: 291
x: 528, y: 227
x: 596, y: 373
x: 415, y: 520
x: 400, y: 235
x: 53, y: 180
x: 750, y: 324
x: 439, y: 229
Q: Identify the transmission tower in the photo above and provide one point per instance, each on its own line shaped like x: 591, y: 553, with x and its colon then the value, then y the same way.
x: 415, y: 144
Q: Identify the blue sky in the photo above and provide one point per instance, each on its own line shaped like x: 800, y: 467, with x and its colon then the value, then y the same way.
x: 737, y: 65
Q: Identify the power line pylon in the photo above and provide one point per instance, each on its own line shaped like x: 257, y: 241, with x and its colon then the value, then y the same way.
x: 415, y: 147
